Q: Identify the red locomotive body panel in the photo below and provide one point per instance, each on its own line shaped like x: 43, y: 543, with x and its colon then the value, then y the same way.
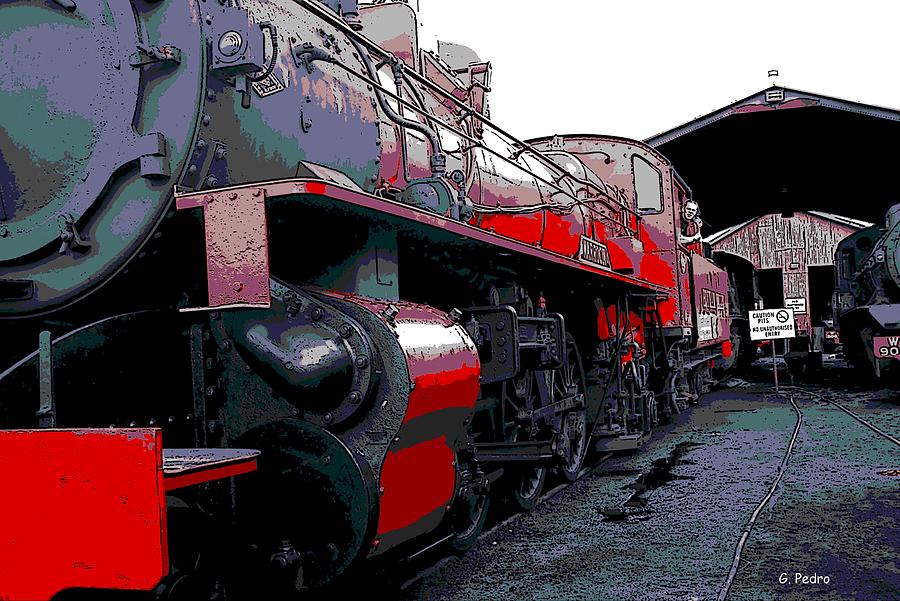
x: 74, y: 501
x: 419, y: 478
x: 710, y: 301
x: 86, y: 508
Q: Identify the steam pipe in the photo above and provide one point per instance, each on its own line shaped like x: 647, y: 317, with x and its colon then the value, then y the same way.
x: 438, y: 158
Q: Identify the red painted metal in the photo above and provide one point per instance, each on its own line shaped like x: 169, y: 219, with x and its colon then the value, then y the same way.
x: 419, y: 479
x: 444, y: 370
x: 727, y: 349
x: 81, y: 508
x: 87, y: 508
x: 237, y: 254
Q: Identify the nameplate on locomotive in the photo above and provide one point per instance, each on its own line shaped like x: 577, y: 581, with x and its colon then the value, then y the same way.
x: 593, y: 252
x: 271, y: 84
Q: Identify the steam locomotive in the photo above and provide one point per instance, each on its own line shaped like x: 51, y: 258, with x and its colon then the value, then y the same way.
x: 282, y: 226
x: 867, y: 296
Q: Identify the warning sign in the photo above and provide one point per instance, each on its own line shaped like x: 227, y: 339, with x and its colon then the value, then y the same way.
x: 772, y: 323
x: 797, y: 304
x: 887, y: 347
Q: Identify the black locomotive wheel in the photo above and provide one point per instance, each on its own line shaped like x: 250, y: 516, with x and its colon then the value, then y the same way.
x: 574, y: 434
x: 530, y: 485
x: 575, y: 437
x: 525, y: 483
x: 699, y: 381
x: 469, y: 521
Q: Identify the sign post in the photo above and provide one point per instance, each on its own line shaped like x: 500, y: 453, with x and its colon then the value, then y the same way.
x: 774, y: 365
x: 771, y: 325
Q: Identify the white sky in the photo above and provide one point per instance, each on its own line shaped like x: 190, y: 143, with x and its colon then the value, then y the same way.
x: 636, y: 68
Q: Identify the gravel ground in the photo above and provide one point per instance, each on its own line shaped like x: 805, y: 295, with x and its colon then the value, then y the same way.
x: 835, y: 515
x: 832, y: 515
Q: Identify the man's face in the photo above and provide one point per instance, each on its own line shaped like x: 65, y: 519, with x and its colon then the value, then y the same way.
x: 690, y: 210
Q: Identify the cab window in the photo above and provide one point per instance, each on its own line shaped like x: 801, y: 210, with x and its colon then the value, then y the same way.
x: 647, y: 185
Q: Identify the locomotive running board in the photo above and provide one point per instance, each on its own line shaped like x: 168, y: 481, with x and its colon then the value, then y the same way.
x: 186, y: 467
x: 237, y: 242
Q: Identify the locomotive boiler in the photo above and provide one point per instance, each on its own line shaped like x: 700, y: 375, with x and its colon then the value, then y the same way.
x: 281, y: 225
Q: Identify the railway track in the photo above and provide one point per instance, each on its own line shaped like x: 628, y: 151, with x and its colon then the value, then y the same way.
x: 792, y: 392
x: 745, y: 535
x: 444, y: 558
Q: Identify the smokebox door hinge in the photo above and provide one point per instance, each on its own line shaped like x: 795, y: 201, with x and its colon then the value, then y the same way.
x: 152, y: 151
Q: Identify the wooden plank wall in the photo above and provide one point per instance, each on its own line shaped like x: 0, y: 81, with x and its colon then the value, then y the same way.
x: 791, y: 244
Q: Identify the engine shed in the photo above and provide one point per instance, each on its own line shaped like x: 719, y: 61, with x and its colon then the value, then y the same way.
x: 793, y: 256
x: 783, y: 150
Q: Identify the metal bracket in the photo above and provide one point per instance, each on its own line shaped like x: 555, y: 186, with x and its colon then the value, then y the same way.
x: 46, y: 413
x: 69, y: 236
x: 531, y: 415
x: 497, y: 329
x: 153, y: 55
x: 152, y: 151
x: 237, y: 260
x: 306, y: 54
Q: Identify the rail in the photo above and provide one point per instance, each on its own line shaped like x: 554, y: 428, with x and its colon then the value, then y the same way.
x: 745, y: 535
